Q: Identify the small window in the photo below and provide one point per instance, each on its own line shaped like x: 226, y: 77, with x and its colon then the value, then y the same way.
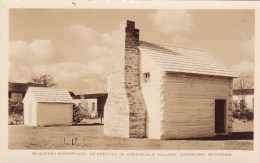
x: 146, y: 77
x: 93, y: 106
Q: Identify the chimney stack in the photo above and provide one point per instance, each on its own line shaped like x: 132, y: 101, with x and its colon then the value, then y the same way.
x: 125, y: 111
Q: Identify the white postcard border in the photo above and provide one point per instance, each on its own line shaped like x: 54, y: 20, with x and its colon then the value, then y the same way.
x: 91, y: 155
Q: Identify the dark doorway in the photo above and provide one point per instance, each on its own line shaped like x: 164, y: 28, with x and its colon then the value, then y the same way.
x: 220, y: 107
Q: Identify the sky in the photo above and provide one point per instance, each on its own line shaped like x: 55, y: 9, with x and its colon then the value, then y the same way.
x: 74, y: 45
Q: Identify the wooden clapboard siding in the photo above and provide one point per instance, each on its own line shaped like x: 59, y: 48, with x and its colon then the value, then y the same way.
x: 189, y: 104
x: 199, y: 78
x: 199, y: 87
x: 188, y: 116
x: 152, y: 96
x: 184, y: 122
x: 185, y: 134
x: 203, y: 128
x: 192, y: 94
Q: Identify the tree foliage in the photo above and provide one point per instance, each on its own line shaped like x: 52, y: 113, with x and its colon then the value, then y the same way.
x: 44, y: 79
x: 15, y: 108
x: 16, y: 112
x: 241, y: 110
x: 78, y: 113
x: 243, y: 83
x: 246, y: 115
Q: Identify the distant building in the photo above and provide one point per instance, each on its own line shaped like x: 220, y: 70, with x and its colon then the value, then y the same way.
x: 16, y: 91
x: 47, y: 107
x: 249, y: 97
x: 93, y: 102
x: 165, y: 92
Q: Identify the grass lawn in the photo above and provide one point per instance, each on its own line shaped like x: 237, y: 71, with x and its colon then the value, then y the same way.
x: 91, y: 137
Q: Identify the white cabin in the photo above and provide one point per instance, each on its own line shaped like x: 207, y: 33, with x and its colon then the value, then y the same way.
x: 47, y: 107
x: 165, y: 92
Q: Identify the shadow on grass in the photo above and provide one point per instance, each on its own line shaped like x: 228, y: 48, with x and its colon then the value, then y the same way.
x: 87, y: 124
x: 233, y: 136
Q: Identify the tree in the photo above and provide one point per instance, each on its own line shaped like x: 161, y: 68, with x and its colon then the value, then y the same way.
x: 44, y: 79
x: 77, y: 114
x: 242, y: 84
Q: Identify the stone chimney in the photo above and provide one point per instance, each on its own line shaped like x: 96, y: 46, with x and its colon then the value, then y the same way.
x: 125, y: 110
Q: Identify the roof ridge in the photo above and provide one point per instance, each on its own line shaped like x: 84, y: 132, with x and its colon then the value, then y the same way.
x: 48, y: 94
x: 185, y: 60
x: 157, y: 46
x: 167, y: 45
x: 47, y: 88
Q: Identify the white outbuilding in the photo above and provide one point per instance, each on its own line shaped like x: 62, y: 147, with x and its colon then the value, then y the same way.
x: 47, y: 107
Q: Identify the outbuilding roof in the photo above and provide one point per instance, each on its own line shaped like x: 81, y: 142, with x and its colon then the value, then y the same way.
x: 42, y: 94
x: 176, y: 59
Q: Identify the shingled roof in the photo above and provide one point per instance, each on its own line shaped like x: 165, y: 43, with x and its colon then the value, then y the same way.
x: 42, y: 94
x: 176, y: 59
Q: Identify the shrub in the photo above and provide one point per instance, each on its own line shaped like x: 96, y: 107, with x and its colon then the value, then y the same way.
x: 78, y: 113
x: 15, y: 108
x: 16, y: 112
x: 246, y: 115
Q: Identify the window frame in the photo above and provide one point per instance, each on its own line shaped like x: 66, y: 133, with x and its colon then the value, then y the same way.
x: 146, y: 77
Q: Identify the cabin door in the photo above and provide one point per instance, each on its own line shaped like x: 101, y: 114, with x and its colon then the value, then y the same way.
x: 220, y: 108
